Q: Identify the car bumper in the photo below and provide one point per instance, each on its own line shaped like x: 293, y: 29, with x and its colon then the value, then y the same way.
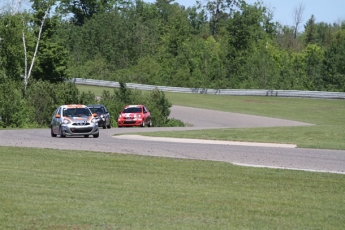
x: 130, y: 123
x: 77, y: 130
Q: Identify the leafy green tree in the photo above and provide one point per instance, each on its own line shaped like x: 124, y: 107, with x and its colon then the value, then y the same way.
x: 86, y: 9
x: 310, y: 31
x: 51, y: 61
x: 313, y: 56
x: 11, y: 46
x: 219, y: 9
x: 249, y: 26
x: 197, y: 20
x: 146, y: 71
x: 159, y: 107
x: 334, y: 63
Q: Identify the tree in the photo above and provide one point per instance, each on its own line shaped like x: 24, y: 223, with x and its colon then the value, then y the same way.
x: 313, y: 57
x: 86, y: 9
x: 310, y: 31
x: 334, y: 63
x: 11, y: 47
x: 248, y: 27
x: 217, y: 9
x: 42, y: 15
x: 297, y: 17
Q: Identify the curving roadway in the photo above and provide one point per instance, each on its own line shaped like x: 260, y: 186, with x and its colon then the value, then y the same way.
x: 240, y: 153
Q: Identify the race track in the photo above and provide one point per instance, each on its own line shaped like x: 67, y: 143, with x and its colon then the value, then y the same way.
x: 259, y: 155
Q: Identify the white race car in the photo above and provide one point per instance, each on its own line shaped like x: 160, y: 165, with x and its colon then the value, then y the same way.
x: 74, y: 120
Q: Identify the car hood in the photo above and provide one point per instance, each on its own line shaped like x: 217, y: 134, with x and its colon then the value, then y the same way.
x: 130, y: 114
x: 79, y: 120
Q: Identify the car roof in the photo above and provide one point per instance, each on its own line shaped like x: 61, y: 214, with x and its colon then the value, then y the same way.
x: 69, y: 106
x: 95, y: 105
x: 133, y: 106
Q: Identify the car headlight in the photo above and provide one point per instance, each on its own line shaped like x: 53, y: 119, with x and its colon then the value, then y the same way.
x: 93, y: 120
x: 66, y: 121
x: 102, y: 116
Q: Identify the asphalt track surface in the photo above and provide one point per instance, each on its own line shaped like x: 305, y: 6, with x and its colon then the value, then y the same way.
x: 114, y: 140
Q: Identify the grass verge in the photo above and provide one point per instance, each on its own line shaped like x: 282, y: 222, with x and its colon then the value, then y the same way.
x: 59, y: 189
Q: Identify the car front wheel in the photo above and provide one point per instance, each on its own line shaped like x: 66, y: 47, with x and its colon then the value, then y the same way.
x: 61, y: 133
x: 96, y: 135
x: 52, y: 133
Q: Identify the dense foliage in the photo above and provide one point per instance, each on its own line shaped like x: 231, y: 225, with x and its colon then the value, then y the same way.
x: 214, y: 44
x: 36, y: 107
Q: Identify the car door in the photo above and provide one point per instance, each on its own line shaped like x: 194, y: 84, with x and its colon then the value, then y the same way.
x: 56, y: 121
x: 147, y: 114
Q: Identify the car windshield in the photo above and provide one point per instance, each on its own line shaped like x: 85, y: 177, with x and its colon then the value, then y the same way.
x: 76, y: 112
x: 97, y: 110
x: 132, y: 110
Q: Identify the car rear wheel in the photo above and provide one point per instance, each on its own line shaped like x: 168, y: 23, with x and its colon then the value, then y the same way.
x: 52, y: 133
x: 150, y: 124
x: 109, y: 125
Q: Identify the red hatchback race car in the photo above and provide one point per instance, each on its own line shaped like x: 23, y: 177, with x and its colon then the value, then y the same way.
x: 134, y: 115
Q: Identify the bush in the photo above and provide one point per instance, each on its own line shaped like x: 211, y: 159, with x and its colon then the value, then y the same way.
x: 11, y: 104
x: 174, y: 123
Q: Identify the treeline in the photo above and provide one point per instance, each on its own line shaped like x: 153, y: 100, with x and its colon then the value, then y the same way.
x: 214, y: 44
x: 220, y: 44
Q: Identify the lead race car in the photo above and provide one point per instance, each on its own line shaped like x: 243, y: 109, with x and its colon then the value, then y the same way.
x: 74, y: 120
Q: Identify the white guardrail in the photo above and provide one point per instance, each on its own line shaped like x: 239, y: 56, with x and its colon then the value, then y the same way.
x: 233, y: 92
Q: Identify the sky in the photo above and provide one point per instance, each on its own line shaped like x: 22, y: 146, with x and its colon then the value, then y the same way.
x: 328, y: 11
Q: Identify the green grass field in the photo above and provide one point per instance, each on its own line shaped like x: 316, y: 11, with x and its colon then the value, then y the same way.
x: 328, y: 117
x: 59, y: 189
